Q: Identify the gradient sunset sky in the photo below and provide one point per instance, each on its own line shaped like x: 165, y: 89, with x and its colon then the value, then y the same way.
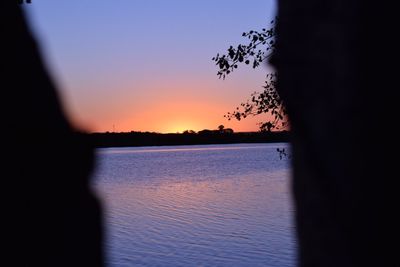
x: 145, y: 65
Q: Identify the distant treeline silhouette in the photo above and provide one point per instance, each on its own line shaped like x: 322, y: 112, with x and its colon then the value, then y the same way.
x: 112, y: 139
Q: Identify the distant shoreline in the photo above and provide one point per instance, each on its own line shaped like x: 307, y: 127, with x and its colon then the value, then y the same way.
x: 138, y: 139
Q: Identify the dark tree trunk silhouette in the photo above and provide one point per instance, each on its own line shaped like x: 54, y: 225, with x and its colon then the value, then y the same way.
x: 333, y: 76
x: 55, y: 218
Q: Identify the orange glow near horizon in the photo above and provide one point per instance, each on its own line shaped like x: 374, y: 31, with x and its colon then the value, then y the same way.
x: 174, y: 118
x: 164, y: 107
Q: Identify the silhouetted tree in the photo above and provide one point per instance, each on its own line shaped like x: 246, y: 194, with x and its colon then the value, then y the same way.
x: 335, y: 80
x: 189, y: 132
x: 54, y: 216
x: 260, y: 47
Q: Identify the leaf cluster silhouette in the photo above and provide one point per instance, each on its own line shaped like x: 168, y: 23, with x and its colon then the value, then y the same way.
x: 259, y: 48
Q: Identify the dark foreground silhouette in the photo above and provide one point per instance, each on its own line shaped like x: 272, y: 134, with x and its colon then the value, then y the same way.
x: 333, y: 61
x: 55, y: 219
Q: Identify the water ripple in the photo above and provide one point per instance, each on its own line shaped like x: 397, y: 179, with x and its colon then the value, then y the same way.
x: 197, y: 206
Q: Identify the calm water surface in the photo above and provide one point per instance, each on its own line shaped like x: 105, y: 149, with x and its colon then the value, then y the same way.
x: 213, y: 205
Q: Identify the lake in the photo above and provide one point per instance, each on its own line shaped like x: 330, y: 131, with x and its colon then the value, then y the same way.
x: 206, y: 205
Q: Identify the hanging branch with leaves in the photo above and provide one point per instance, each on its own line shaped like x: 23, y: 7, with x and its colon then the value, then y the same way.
x: 258, y: 50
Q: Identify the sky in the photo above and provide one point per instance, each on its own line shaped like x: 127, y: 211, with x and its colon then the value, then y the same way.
x: 145, y: 65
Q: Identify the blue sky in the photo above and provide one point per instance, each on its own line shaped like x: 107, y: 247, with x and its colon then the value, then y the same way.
x: 146, y: 64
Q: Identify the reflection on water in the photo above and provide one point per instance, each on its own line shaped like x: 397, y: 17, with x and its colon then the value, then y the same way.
x: 219, y: 205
